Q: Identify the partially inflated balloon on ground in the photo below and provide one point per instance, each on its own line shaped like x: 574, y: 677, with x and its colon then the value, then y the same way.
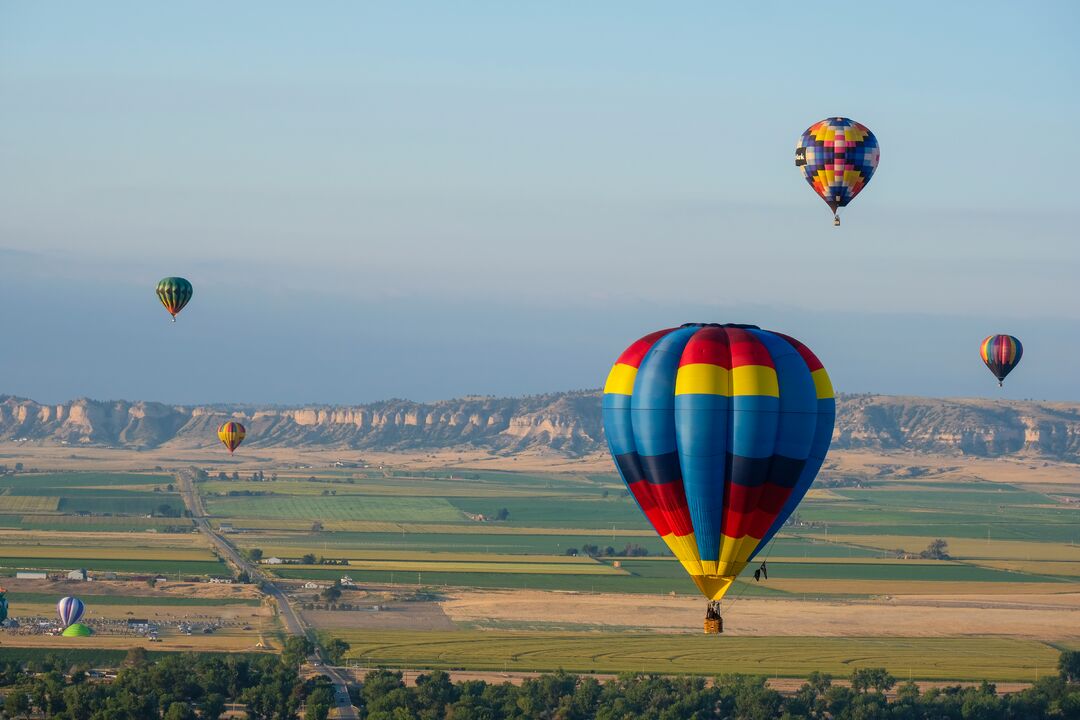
x: 174, y: 293
x: 1001, y: 353
x: 231, y: 434
x: 837, y: 156
x: 718, y: 432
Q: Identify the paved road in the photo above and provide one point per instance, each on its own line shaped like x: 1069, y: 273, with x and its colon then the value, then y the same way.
x: 293, y: 623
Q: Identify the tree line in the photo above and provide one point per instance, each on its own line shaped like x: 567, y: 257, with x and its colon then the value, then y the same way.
x: 190, y: 686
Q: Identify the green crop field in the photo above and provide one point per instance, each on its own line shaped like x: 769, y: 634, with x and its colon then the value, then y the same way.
x: 353, y: 507
x: 919, y: 658
x: 95, y: 523
x: 28, y: 504
x: 35, y: 481
x: 139, y: 567
x: 564, y: 511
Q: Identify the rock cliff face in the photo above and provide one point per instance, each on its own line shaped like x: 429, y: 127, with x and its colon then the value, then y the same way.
x: 566, y: 423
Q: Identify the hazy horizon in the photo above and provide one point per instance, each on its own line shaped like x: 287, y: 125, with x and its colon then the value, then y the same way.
x: 425, y: 202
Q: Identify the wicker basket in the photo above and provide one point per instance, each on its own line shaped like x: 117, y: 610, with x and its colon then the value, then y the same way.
x: 713, y: 627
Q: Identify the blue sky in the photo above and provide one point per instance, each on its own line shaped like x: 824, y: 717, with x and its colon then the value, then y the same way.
x: 428, y: 199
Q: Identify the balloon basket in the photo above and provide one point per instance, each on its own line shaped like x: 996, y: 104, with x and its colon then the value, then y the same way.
x: 714, y: 626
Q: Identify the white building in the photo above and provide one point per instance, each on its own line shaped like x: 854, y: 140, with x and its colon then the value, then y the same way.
x: 272, y: 561
x: 347, y: 581
x: 79, y: 574
x: 26, y: 575
x: 313, y: 586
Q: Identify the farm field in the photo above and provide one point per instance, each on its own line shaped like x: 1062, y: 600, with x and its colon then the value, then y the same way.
x: 921, y: 658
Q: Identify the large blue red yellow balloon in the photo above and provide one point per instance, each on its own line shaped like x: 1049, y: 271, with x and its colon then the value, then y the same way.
x: 1001, y: 353
x: 718, y: 432
x: 838, y: 156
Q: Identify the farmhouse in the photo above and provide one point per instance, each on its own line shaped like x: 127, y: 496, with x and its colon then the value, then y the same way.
x: 309, y: 585
x: 79, y: 574
x: 272, y: 561
x: 347, y: 581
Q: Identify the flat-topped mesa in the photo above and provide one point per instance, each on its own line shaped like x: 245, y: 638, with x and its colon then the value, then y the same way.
x: 565, y: 423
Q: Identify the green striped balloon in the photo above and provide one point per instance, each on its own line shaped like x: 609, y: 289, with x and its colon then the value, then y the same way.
x: 174, y: 293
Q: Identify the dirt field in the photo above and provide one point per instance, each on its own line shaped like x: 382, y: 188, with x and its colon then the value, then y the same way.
x: 1053, y: 617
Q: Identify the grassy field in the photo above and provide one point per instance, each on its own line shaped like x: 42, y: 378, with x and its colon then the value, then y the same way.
x: 19, y: 504
x: 351, y: 507
x: 67, y: 552
x: 919, y: 658
x: 8, y: 565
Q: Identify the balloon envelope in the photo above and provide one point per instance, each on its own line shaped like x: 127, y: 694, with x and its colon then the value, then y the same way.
x: 231, y: 434
x: 718, y: 432
x: 174, y: 293
x: 1001, y: 353
x: 70, y: 609
x: 837, y: 156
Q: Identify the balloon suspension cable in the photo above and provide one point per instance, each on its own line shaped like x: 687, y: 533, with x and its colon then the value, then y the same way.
x: 742, y: 590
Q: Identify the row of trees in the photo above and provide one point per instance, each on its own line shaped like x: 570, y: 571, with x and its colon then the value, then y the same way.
x: 631, y: 550
x: 568, y: 697
x: 176, y: 687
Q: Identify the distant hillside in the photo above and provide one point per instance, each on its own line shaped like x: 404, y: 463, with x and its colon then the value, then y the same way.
x: 567, y: 423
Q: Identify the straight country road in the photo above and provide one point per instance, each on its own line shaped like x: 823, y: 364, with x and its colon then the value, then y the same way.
x: 344, y: 709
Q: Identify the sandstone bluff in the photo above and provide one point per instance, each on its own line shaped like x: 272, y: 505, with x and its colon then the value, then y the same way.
x: 566, y: 423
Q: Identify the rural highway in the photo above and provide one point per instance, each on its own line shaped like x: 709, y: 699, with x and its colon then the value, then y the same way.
x: 193, y: 501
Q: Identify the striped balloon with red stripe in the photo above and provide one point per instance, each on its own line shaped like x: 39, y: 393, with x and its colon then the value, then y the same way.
x: 231, y: 434
x: 718, y: 432
x: 1001, y: 353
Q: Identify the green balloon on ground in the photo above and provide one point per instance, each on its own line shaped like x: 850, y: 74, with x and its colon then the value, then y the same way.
x: 77, y: 630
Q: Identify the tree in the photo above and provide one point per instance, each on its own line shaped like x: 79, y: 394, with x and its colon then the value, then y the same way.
x: 336, y: 649
x: 136, y: 657
x: 213, y: 706
x: 255, y: 554
x: 319, y: 702
x: 1069, y: 666
x: 572, y: 552
x: 936, y: 550
x: 235, y: 475
x: 179, y: 711
x: 503, y: 514
x: 308, y: 559
x: 316, y: 526
x: 16, y: 703
x: 865, y: 679
x: 332, y: 593
x: 296, y: 650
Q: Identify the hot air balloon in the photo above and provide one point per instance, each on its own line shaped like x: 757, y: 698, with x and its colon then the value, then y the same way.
x: 838, y: 156
x: 174, y: 293
x: 1001, y: 353
x: 718, y: 432
x: 70, y: 609
x: 231, y: 434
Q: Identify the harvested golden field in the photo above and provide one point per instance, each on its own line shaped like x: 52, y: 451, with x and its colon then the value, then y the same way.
x: 1039, y: 567
x: 816, y: 586
x: 1026, y: 616
x: 74, y: 552
x: 527, y: 568
x: 965, y: 548
x: 101, y: 539
x: 292, y: 551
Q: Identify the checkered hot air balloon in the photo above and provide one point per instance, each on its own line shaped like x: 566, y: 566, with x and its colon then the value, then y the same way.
x: 69, y: 610
x: 838, y: 156
x: 174, y: 293
x: 1001, y: 353
x: 231, y: 434
x: 718, y: 432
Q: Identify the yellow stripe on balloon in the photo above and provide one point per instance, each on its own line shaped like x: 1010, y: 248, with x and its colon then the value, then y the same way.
x: 684, y: 548
x: 754, y: 380
x: 735, y: 551
x: 703, y: 379
x: 620, y: 381
x: 822, y: 384
x: 852, y: 177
